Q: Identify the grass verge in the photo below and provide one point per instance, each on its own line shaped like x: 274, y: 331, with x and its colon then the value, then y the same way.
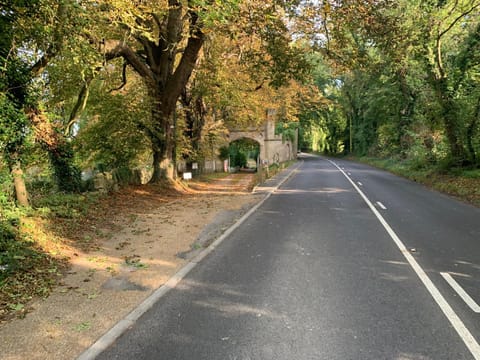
x: 35, y: 243
x: 464, y: 184
x: 26, y: 270
x: 32, y: 247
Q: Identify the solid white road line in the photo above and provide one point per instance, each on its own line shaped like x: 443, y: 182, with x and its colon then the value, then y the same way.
x: 381, y: 206
x: 462, y: 293
x: 454, y: 319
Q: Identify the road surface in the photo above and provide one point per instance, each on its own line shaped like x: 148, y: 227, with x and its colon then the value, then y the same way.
x: 342, y: 262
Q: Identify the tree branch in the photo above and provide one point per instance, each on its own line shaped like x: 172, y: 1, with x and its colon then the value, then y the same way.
x: 79, y: 105
x: 457, y: 19
x: 124, y: 78
x: 115, y: 48
x: 56, y: 45
x: 451, y: 10
x: 187, y: 63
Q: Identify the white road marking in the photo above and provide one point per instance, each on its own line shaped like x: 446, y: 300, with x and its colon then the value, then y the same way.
x: 349, y: 174
x: 359, y: 183
x: 381, y: 206
x: 462, y: 293
x: 454, y: 319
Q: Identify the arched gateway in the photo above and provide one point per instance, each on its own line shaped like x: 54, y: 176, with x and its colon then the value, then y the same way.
x: 272, y: 148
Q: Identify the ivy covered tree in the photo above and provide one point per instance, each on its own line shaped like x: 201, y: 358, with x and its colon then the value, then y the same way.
x: 34, y: 35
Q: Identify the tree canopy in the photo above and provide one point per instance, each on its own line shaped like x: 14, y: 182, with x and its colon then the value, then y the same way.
x: 122, y: 83
x: 406, y: 75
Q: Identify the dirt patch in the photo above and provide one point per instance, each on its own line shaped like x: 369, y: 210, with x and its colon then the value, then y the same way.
x: 148, y: 237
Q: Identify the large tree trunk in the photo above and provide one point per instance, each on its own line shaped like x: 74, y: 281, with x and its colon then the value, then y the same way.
x: 158, y: 172
x: 160, y: 134
x: 21, y: 193
x: 165, y: 69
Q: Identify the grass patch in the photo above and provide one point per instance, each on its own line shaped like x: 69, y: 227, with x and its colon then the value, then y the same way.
x: 68, y: 206
x: 31, y: 244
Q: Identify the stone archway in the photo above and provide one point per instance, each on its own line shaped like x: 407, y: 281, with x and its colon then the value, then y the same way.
x: 252, y: 134
x: 273, y: 149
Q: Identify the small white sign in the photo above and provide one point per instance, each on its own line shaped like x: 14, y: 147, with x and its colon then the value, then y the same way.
x: 194, y: 166
x: 187, y: 176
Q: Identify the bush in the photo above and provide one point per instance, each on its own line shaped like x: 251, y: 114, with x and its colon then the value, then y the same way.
x: 64, y: 205
x: 67, y: 174
x: 240, y: 160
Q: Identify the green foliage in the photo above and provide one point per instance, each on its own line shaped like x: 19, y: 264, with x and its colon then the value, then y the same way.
x: 12, y: 248
x: 224, y: 153
x: 287, y: 130
x: 9, y: 213
x: 242, y: 150
x: 6, y: 185
x: 25, y: 269
x: 67, y: 206
x: 112, y: 130
x: 14, y: 131
x: 411, y: 92
x: 239, y: 159
x: 13, y: 128
x: 322, y: 122
x: 67, y: 174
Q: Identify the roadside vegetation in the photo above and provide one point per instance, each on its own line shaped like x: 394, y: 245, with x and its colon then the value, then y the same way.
x: 463, y: 184
x: 407, y: 99
x: 34, y: 246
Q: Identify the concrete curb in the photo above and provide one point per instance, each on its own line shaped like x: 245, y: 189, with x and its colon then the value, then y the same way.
x: 123, y: 325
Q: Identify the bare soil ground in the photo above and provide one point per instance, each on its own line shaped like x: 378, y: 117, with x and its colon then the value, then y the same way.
x: 147, y: 238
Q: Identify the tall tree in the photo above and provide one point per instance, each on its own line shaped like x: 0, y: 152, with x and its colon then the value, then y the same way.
x: 34, y: 34
x: 449, y: 23
x: 426, y: 50
x: 163, y: 43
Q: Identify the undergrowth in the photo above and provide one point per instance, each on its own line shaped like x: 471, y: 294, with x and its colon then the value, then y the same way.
x: 30, y: 263
x: 26, y: 269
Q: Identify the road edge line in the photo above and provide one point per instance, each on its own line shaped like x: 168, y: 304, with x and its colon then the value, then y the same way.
x: 109, y: 338
x: 461, y: 292
x: 448, y: 311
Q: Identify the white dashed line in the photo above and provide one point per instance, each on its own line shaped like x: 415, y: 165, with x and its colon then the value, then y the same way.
x: 457, y: 323
x: 381, y: 206
x: 359, y: 183
x: 349, y: 174
x: 462, y: 293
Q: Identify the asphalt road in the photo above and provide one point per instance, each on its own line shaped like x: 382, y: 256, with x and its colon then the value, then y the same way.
x: 315, y: 274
